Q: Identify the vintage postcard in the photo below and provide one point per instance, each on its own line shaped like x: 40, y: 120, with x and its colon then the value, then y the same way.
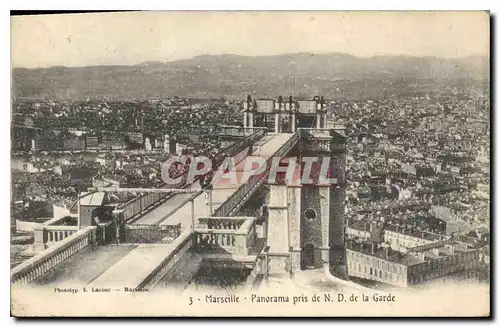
x: 221, y: 164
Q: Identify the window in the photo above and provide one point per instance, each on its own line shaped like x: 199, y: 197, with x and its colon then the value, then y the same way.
x: 371, y: 271
x: 310, y: 214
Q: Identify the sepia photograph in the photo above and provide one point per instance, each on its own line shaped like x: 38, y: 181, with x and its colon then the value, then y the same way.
x: 250, y: 164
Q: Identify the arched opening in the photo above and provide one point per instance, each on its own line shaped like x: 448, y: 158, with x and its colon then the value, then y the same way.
x: 308, y: 256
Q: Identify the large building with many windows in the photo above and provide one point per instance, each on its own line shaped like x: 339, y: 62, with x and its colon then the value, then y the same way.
x: 437, y: 262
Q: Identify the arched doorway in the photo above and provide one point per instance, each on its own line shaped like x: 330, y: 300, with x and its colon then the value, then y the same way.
x: 308, y: 256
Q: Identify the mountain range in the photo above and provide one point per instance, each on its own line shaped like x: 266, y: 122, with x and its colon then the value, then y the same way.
x: 335, y: 75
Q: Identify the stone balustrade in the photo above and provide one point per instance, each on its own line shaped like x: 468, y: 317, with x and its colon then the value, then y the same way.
x: 37, y: 266
x: 210, y: 240
x: 221, y: 222
x: 235, y: 241
x: 59, y: 233
x: 44, y: 234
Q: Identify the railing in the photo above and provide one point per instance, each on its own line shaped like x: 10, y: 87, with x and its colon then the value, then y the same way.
x: 221, y: 222
x: 229, y: 151
x: 237, y: 130
x: 236, y: 147
x: 151, y: 233
x: 140, y: 204
x: 237, y: 241
x: 37, y: 266
x: 246, y: 190
x: 58, y: 233
x: 220, y: 240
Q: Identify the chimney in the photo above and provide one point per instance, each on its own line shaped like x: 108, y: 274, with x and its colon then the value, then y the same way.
x: 322, y: 102
x: 373, y: 247
x: 280, y: 99
x: 290, y: 100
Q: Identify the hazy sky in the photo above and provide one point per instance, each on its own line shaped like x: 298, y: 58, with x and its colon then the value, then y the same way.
x: 131, y: 38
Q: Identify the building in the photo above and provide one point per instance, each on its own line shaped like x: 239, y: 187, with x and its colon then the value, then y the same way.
x: 76, y: 175
x: 404, y: 237
x: 284, y: 116
x: 398, y: 237
x: 438, y: 262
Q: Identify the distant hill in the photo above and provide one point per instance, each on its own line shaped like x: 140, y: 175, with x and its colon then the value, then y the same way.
x: 333, y: 74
